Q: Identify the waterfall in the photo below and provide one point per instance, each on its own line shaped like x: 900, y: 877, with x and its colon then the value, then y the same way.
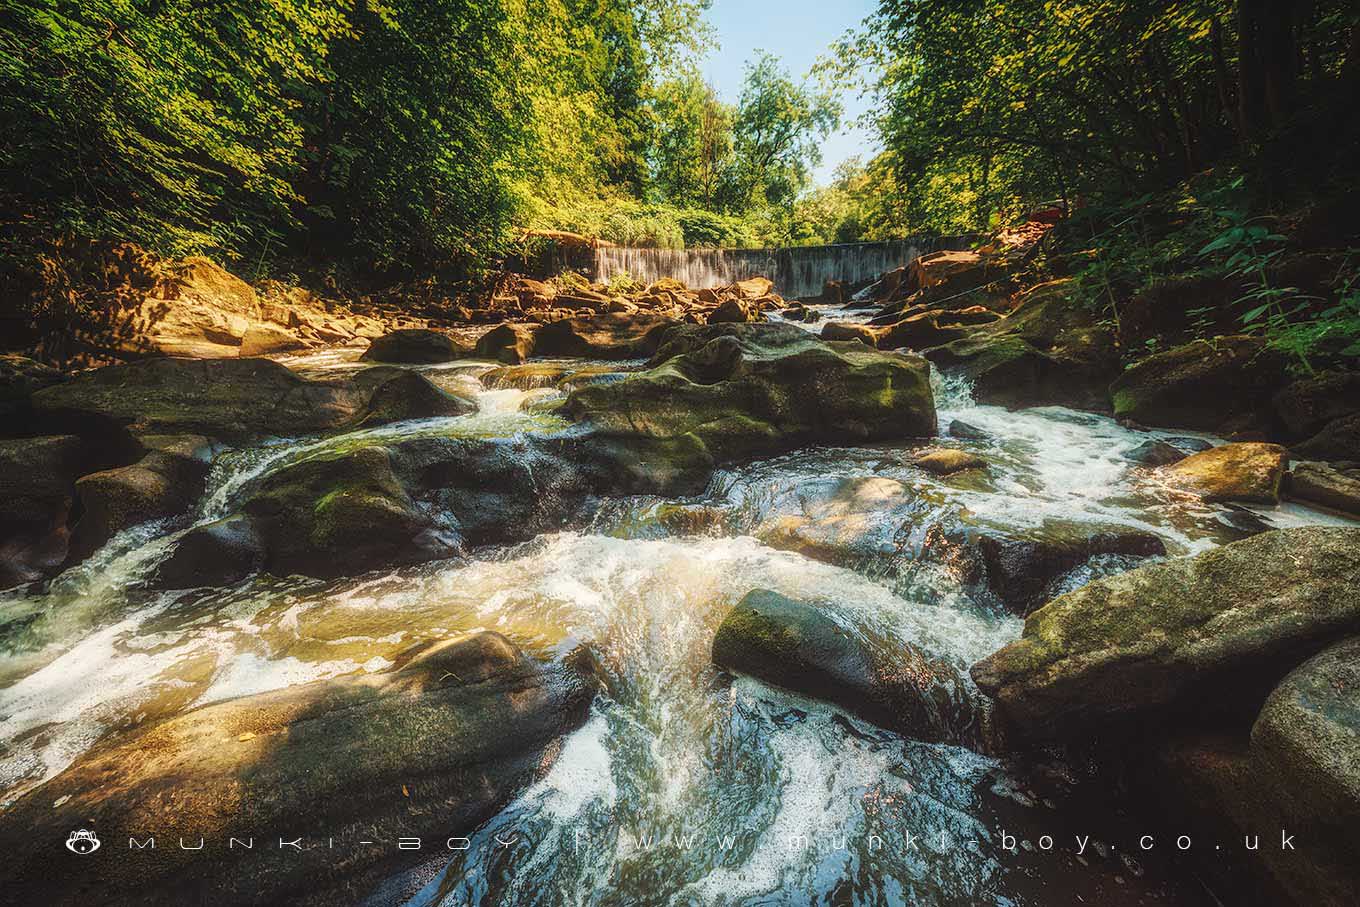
x: 798, y: 272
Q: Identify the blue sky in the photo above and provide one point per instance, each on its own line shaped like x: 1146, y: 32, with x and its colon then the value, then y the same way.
x: 797, y: 31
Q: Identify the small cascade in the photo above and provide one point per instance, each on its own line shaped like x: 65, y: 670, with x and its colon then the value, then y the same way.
x: 798, y: 272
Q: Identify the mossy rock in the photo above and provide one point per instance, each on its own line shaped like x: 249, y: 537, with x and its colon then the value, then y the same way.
x: 799, y: 646
x: 1161, y: 637
x: 410, y: 395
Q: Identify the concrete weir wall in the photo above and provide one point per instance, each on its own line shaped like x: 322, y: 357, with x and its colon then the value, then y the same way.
x: 798, y: 272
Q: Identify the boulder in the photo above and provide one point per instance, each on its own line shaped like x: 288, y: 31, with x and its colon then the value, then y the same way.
x: 1023, y: 569
x: 1249, y: 472
x: 415, y: 346
x: 168, y: 481
x: 37, y: 493
x: 429, y: 750
x: 844, y: 330
x: 202, y: 312
x: 1305, y: 748
x: 509, y: 343
x: 965, y: 432
x: 919, y: 332
x: 1216, y: 385
x: 745, y: 390
x: 799, y: 646
x: 946, y: 460
x: 753, y: 287
x: 733, y: 311
x: 1307, y: 406
x: 220, y: 553
x: 229, y: 399
x: 849, y: 521
x: 341, y: 515
x: 20, y: 377
x: 1052, y: 349
x: 1325, y: 485
x: 610, y: 336
x: 410, y: 395
x: 1164, y: 451
x: 262, y: 339
x: 1199, y: 633
x: 1337, y: 440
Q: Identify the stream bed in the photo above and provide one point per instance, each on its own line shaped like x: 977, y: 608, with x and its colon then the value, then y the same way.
x: 685, y: 786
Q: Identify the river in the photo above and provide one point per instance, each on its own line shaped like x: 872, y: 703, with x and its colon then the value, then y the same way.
x: 684, y: 786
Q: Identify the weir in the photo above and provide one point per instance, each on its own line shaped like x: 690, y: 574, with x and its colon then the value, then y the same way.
x: 798, y: 272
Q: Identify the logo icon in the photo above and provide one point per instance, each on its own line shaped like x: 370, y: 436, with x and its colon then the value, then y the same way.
x: 82, y: 842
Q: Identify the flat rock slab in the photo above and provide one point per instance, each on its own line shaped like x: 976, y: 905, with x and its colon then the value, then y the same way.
x: 1248, y: 473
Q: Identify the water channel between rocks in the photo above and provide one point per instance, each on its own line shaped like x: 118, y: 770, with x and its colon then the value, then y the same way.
x: 684, y: 786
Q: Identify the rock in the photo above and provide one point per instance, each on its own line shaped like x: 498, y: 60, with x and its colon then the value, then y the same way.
x: 745, y: 390
x: 1155, y: 452
x: 1249, y: 472
x: 166, y: 482
x: 753, y: 287
x: 965, y: 432
x: 733, y: 311
x: 220, y: 553
x: 945, y: 460
x: 1023, y: 569
x: 204, y: 313
x: 844, y: 330
x: 1199, y: 632
x: 1319, y: 483
x: 342, y: 515
x: 508, y: 343
x: 1213, y: 385
x: 430, y: 750
x: 263, y: 339
x: 1337, y: 440
x: 415, y: 346
x: 919, y: 332
x: 852, y: 522
x: 20, y: 377
x: 1052, y: 349
x: 410, y: 395
x: 229, y: 399
x: 1305, y: 748
x: 1308, y: 405
x: 799, y: 646
x: 37, y: 493
x: 612, y: 336
x: 972, y: 315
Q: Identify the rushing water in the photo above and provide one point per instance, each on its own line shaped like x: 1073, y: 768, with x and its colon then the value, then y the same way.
x: 685, y: 786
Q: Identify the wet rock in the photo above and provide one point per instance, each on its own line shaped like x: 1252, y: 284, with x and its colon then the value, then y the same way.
x: 429, y: 750
x: 1022, y: 570
x: 508, y: 343
x: 844, y: 330
x: 965, y: 432
x: 1326, y: 485
x: 1241, y: 521
x: 1337, y: 440
x: 1155, y: 452
x: 1308, y: 405
x: 415, y: 346
x: 799, y: 646
x: 946, y: 460
x: 612, y: 336
x: 1213, y: 385
x: 1052, y: 349
x: 37, y: 493
x: 851, y: 522
x: 166, y: 482
x: 743, y: 390
x: 753, y: 287
x: 229, y: 399
x: 1248, y: 472
x: 220, y: 553
x: 1197, y: 633
x: 342, y: 515
x: 410, y: 395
